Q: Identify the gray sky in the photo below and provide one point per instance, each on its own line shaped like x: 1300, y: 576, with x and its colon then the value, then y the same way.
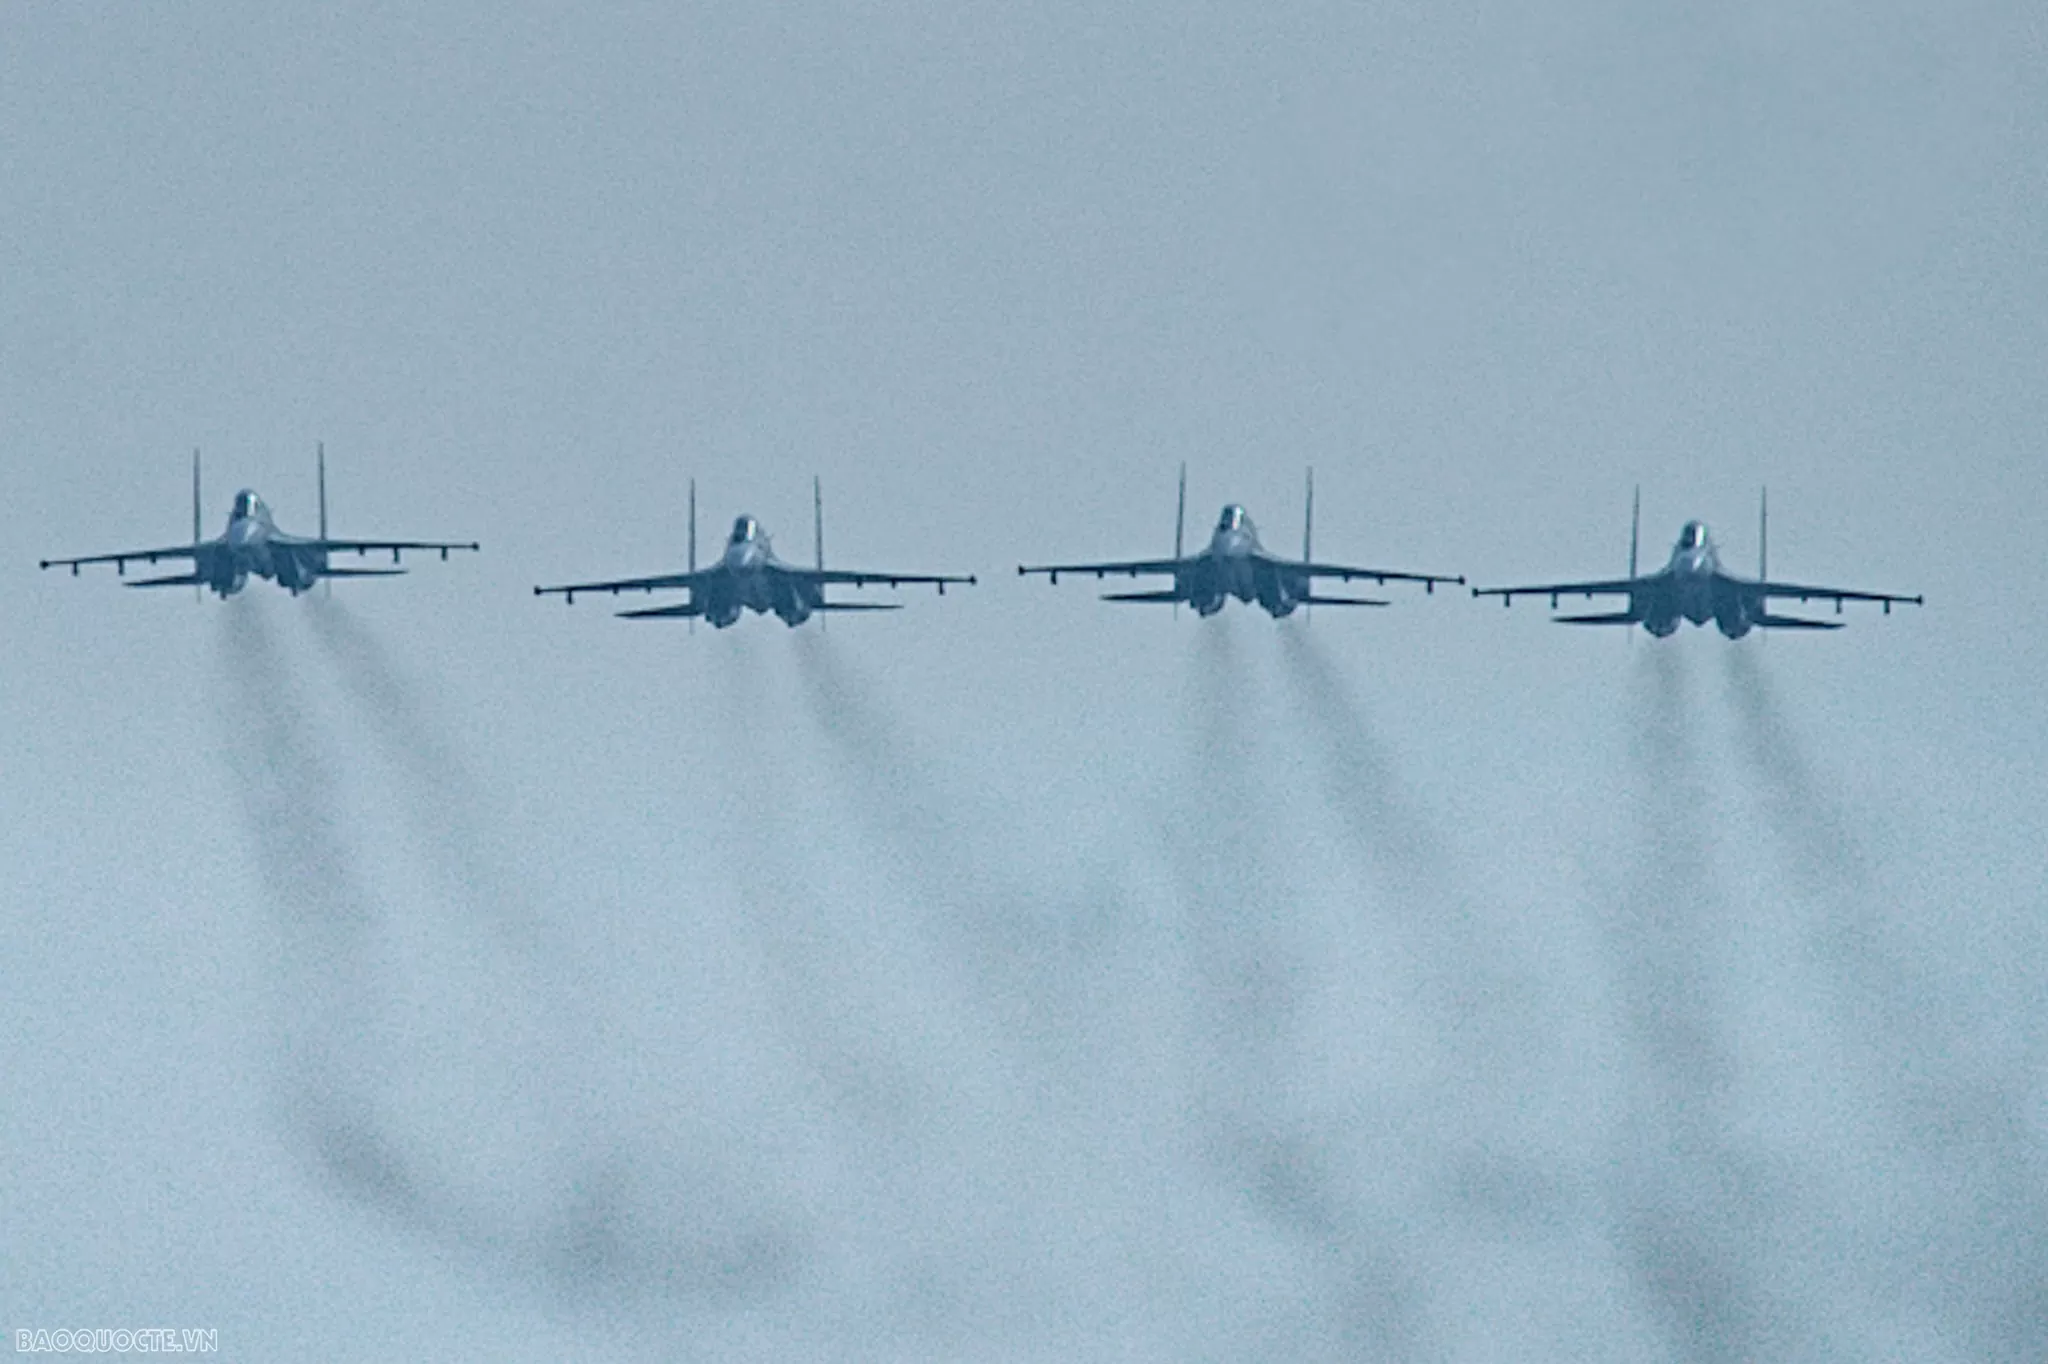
x: 1016, y: 977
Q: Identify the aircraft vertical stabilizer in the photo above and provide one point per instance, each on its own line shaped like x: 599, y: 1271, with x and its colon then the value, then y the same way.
x: 1180, y: 521
x: 198, y: 528
x: 1308, y: 519
x: 1308, y: 530
x: 818, y: 539
x: 1180, y: 511
x: 320, y: 462
x: 1635, y: 534
x: 1635, y: 528
x: 1763, y: 535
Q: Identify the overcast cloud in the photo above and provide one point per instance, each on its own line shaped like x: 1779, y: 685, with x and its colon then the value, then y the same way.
x: 438, y: 973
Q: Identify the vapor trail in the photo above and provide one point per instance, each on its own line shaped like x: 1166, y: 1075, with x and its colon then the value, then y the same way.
x: 1810, y: 834
x: 1691, y: 1212
x: 1480, y: 1007
x: 1235, y: 898
x: 327, y: 925
x: 1480, y: 1002
x: 1422, y: 888
x: 906, y: 805
x: 1959, y: 1113
x: 965, y: 879
x: 1237, y: 863
x: 450, y: 809
x: 1848, y: 912
x: 1359, y: 780
x: 1005, y: 967
x: 1671, y: 911
x: 421, y: 1072
x: 1812, y: 828
x: 533, y: 996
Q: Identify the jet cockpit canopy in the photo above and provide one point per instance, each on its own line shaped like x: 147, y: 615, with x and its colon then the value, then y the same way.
x: 1694, y: 536
x: 1233, y: 518
x: 247, y: 505
x: 745, y: 529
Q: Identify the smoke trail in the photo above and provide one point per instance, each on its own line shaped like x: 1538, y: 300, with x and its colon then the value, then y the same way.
x: 637, y: 1208
x: 1359, y: 780
x: 1234, y: 893
x: 965, y: 879
x: 1468, y: 1137
x: 909, y: 808
x: 319, y: 905
x: 1811, y: 836
x: 535, y: 995
x: 1960, y: 1114
x: 1670, y: 912
x: 1692, y: 1211
x: 1252, y: 953
x: 1824, y: 858
x: 333, y: 1068
x: 1421, y: 887
x: 1831, y: 875
x: 1015, y: 966
x: 422, y: 1087
x: 450, y: 809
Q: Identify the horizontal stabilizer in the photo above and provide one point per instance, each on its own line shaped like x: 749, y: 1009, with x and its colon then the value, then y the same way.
x: 1166, y: 594
x: 1794, y: 623
x: 174, y: 580
x: 363, y: 572
x: 1607, y: 618
x: 858, y: 606
x: 1344, y: 601
x: 688, y: 608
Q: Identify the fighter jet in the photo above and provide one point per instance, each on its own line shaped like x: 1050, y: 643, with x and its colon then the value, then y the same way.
x: 1235, y: 564
x: 1693, y: 586
x: 749, y: 577
x: 252, y: 544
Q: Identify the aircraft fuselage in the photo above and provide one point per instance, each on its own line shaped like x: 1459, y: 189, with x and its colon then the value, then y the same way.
x: 1234, y: 565
x: 249, y: 547
x: 1693, y: 588
x: 750, y: 581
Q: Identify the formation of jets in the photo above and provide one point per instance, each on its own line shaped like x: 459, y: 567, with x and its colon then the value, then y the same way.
x: 749, y: 576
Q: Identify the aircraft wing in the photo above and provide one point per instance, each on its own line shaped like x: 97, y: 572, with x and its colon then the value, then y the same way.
x: 1837, y: 595
x: 1610, y: 587
x: 1130, y: 568
x: 856, y: 578
x: 1345, y: 573
x: 147, y: 556
x: 394, y: 548
x: 662, y: 582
